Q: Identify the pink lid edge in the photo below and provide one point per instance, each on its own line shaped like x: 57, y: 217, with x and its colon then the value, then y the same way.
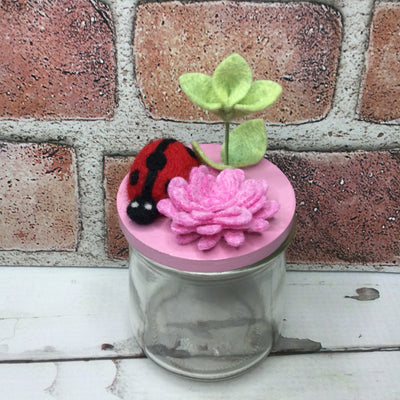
x: 157, y: 242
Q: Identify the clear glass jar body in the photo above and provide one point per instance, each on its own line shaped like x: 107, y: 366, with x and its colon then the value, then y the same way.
x: 206, y: 325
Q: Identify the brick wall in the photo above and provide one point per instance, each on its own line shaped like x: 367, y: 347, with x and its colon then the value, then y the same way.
x: 85, y: 84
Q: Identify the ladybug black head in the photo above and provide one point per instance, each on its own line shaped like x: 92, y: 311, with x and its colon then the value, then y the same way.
x: 142, y: 210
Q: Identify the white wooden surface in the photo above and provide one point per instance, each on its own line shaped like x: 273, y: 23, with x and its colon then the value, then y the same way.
x: 55, y: 322
x: 52, y: 313
x: 344, y: 376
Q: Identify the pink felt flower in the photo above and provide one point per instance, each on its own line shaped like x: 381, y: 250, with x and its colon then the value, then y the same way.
x: 213, y: 205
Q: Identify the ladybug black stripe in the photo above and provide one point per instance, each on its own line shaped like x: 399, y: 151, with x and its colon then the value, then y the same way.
x: 155, y: 162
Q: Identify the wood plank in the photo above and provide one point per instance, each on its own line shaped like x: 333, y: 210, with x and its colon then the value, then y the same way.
x: 318, y: 309
x: 69, y: 313
x: 345, y: 376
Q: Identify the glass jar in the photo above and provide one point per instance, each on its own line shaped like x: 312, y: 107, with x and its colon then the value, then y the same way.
x: 209, y: 314
x: 207, y: 325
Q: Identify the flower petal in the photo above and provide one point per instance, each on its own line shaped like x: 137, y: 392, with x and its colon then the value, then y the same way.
x: 202, y: 216
x: 232, y: 211
x: 185, y: 239
x: 179, y: 197
x: 236, y: 221
x: 177, y: 182
x: 270, y: 208
x: 208, y: 242
x: 250, y: 192
x: 167, y: 208
x: 181, y: 229
x: 201, y: 182
x: 228, y: 183
x: 185, y: 219
x: 234, y: 238
x: 258, y: 225
x: 209, y: 229
x: 258, y: 205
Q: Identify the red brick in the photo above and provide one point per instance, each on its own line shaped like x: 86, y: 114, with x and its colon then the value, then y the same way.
x: 296, y: 45
x: 115, y: 168
x: 57, y: 59
x: 38, y: 197
x: 348, y: 206
x: 380, y: 99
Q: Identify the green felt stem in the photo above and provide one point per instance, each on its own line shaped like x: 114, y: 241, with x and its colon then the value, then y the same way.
x: 227, y: 142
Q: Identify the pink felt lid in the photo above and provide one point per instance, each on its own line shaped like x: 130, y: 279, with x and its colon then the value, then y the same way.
x: 158, y: 243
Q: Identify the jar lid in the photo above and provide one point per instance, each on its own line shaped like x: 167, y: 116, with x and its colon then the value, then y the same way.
x: 158, y: 243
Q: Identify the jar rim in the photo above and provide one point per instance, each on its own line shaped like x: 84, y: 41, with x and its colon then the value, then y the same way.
x: 233, y: 273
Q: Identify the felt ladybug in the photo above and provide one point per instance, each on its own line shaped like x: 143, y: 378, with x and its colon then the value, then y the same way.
x: 151, y: 171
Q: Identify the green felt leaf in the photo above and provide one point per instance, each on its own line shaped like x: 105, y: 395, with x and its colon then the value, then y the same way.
x: 203, y: 159
x: 199, y: 88
x: 232, y: 80
x: 247, y: 144
x: 261, y: 95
